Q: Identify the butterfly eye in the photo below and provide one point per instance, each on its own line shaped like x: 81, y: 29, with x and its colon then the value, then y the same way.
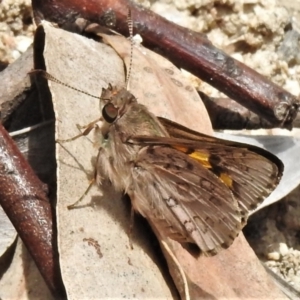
x: 110, y: 113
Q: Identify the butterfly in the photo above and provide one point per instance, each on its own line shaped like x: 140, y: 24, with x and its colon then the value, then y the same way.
x: 195, y: 188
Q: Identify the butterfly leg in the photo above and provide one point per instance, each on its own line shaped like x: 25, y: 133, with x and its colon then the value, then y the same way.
x: 96, y: 178
x: 88, y: 128
x: 72, y: 206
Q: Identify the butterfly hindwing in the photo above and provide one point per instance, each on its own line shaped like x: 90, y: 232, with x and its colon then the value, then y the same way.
x: 191, y: 204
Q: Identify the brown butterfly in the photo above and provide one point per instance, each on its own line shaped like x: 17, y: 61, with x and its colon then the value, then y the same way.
x: 195, y: 188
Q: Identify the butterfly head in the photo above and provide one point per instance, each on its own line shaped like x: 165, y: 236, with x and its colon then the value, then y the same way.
x: 115, y: 103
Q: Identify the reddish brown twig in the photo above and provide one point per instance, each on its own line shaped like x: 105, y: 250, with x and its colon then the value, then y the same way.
x: 225, y: 113
x: 24, y: 199
x: 187, y: 49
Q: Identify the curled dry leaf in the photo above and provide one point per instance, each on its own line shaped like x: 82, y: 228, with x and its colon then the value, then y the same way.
x: 102, y: 216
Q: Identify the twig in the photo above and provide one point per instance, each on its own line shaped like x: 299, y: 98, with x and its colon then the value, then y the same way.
x: 24, y: 199
x: 187, y: 49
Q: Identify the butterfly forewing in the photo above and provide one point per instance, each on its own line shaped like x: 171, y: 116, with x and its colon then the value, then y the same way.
x: 253, y: 177
x: 250, y: 172
x: 250, y: 176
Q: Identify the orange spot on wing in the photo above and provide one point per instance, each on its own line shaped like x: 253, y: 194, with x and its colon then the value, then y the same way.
x: 226, y: 179
x: 201, y: 157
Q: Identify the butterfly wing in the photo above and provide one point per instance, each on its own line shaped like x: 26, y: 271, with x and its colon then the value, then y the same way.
x: 252, y: 173
x: 198, y: 188
x: 186, y: 201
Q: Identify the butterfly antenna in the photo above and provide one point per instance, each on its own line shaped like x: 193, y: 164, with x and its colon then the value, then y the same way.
x: 130, y: 27
x: 52, y: 78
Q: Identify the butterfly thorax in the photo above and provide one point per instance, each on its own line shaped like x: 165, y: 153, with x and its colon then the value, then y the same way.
x: 126, y: 114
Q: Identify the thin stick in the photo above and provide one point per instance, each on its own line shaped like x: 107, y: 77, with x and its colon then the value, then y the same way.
x: 30, y: 128
x: 181, y: 271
